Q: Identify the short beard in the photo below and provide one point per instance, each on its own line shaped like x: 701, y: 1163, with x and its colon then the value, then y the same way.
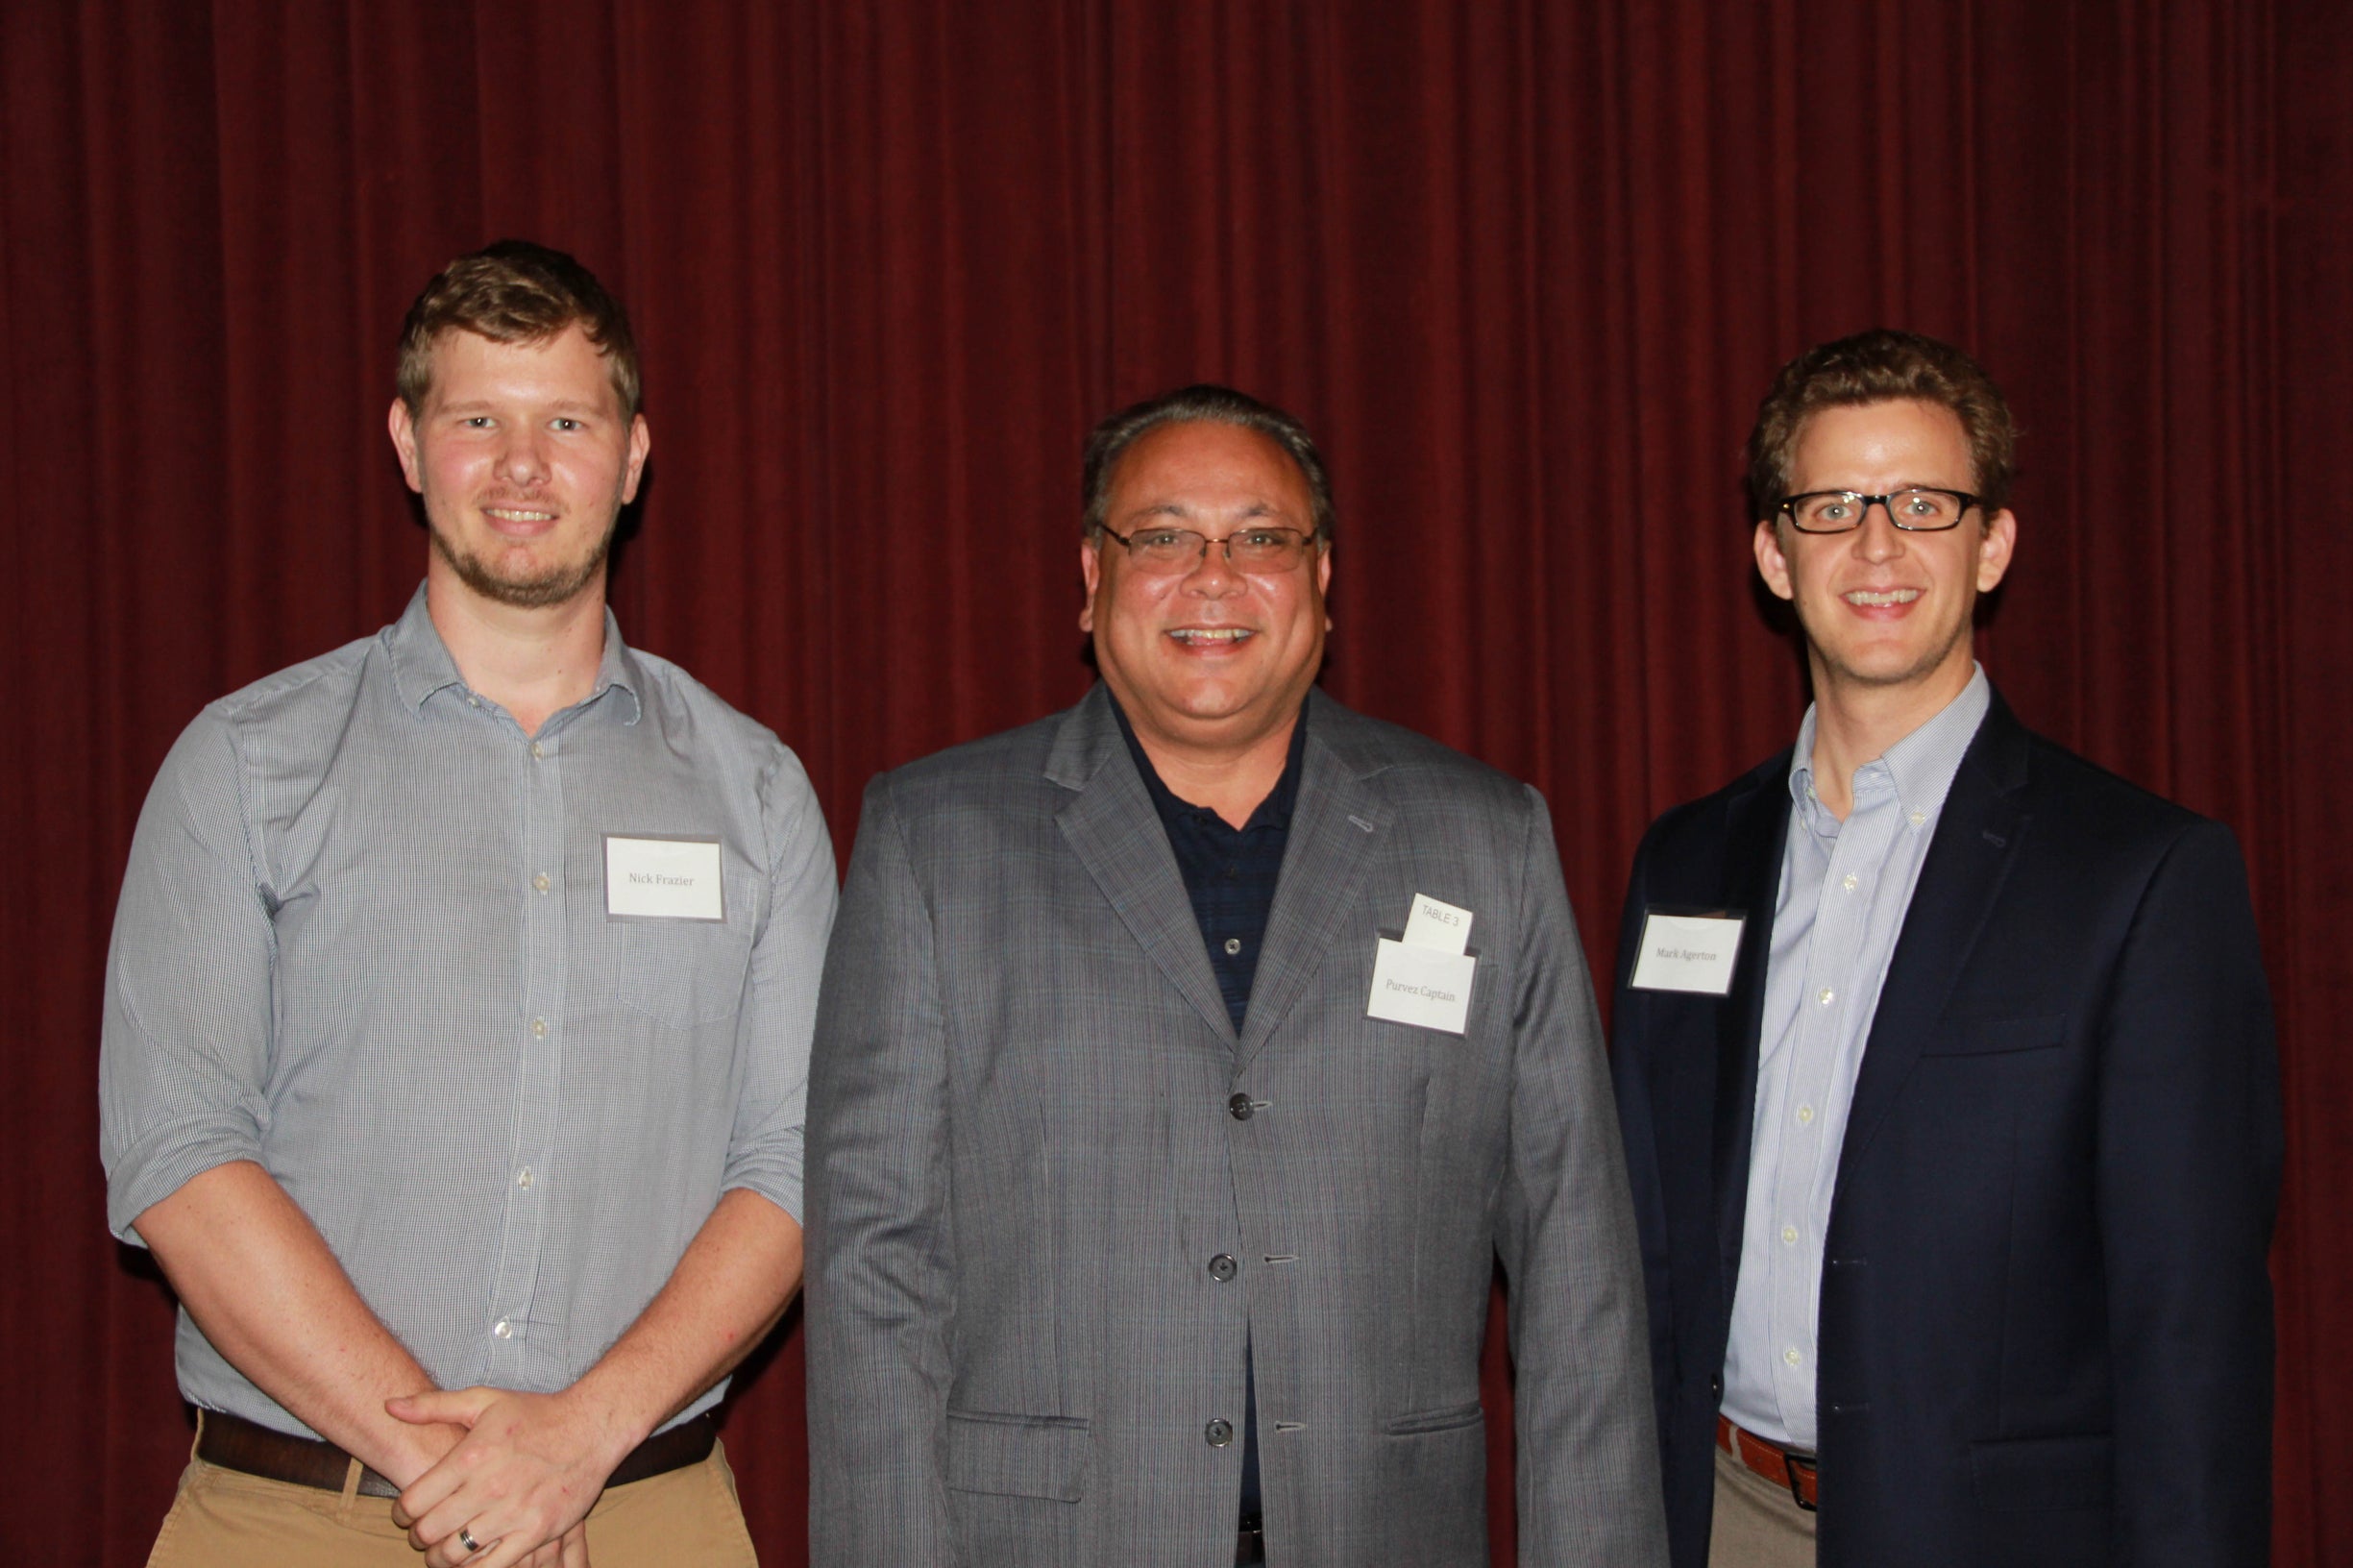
x: 558, y: 584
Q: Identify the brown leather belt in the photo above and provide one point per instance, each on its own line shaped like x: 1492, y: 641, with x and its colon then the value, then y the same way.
x: 1790, y: 1467
x: 234, y: 1443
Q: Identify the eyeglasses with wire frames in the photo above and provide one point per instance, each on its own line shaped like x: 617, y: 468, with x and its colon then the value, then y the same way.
x: 1173, y: 552
x: 1919, y: 509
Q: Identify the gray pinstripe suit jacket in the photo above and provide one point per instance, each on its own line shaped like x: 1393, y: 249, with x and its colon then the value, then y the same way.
x: 1022, y: 1158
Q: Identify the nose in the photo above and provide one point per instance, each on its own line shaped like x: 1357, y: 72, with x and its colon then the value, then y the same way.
x: 1213, y: 575
x: 522, y: 458
x: 1878, y: 538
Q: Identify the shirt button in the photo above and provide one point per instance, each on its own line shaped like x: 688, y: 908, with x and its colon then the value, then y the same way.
x: 540, y: 882
x: 539, y: 1028
x: 1233, y: 945
x: 537, y: 751
x: 523, y: 1178
x: 1826, y: 996
x: 1239, y: 1107
x: 1789, y: 1236
x: 1791, y: 1356
x: 473, y: 702
x: 1851, y: 882
x: 501, y: 1330
x: 1918, y: 816
x: 1805, y: 1113
x: 1219, y: 1433
x: 1223, y: 1270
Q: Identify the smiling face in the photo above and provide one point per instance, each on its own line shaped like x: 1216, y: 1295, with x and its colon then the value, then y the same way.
x: 1209, y: 661
x: 524, y: 459
x: 1885, y: 611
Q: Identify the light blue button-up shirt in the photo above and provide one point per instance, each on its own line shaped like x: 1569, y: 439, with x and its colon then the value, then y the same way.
x: 1845, y: 888
x: 363, y: 943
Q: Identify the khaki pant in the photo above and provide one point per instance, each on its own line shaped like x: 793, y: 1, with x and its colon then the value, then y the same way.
x: 1759, y: 1524
x: 227, y: 1519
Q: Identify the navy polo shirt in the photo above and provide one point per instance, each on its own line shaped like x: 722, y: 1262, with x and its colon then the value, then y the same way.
x: 1229, y: 873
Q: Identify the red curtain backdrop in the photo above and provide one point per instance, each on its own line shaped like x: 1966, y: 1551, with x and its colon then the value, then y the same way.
x: 1525, y: 267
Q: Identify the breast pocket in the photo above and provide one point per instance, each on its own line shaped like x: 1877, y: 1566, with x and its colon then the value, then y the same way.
x: 1999, y: 1037
x: 685, y: 972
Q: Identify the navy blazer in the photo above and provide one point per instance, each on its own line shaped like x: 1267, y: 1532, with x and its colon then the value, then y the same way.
x: 2045, y: 1318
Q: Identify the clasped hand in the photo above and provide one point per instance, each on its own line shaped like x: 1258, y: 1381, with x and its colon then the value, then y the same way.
x: 520, y: 1482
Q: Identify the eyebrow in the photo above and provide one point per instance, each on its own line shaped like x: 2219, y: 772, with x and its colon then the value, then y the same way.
x: 1191, y: 514
x: 1897, y: 490
x: 562, y: 405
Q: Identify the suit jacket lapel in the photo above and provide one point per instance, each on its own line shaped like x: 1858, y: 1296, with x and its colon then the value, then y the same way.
x: 1757, y: 828
x: 1110, y: 824
x: 1978, y: 835
x: 1335, y: 826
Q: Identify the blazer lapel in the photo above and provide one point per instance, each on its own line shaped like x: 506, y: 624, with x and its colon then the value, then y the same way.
x: 1110, y: 824
x: 1757, y: 828
x: 1336, y: 826
x: 1978, y: 835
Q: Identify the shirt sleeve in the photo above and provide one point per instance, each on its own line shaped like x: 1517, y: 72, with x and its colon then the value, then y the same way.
x: 185, y: 1048
x: 779, y: 1013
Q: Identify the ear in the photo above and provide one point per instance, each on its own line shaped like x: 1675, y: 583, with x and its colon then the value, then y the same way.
x: 1771, y: 564
x: 1994, y: 550
x: 1323, y: 580
x: 404, y: 443
x: 1091, y: 568
x: 641, y: 442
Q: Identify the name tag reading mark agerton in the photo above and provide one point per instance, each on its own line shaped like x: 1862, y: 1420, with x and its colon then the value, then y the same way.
x: 655, y: 879
x: 1426, y: 979
x: 1688, y: 953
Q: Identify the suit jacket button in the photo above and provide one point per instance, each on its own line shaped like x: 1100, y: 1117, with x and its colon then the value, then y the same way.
x: 1715, y: 1386
x: 1239, y: 1106
x: 1221, y: 1268
x: 1219, y: 1433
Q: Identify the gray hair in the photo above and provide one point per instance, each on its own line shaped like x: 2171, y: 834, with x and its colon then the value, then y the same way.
x: 1206, y: 403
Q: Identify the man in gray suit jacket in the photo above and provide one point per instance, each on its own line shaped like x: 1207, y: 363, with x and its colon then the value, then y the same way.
x: 1184, y: 1062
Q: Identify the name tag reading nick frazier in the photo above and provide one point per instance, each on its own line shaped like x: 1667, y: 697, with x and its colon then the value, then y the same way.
x: 1691, y: 953
x: 1425, y: 980
x: 653, y: 878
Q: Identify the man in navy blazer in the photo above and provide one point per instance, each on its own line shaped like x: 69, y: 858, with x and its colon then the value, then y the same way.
x: 1946, y: 1069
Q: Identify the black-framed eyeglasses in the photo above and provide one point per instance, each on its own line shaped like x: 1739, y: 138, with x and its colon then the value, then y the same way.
x: 1920, y: 510
x: 1168, y: 552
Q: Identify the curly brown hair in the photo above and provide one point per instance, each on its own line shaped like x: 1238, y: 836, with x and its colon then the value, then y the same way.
x: 1875, y: 367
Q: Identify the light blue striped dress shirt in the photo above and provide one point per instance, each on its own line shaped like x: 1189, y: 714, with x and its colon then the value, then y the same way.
x: 362, y: 942
x: 1845, y: 888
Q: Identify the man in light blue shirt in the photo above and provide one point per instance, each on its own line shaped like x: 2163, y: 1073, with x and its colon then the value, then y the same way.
x: 1944, y: 1062
x: 1845, y: 887
x: 457, y: 1017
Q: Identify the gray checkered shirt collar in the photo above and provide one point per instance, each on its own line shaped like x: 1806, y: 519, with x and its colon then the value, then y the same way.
x: 422, y: 664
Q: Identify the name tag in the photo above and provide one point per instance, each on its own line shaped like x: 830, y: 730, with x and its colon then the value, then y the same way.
x: 1425, y: 980
x: 663, y: 879
x: 1435, y: 925
x: 1688, y: 953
